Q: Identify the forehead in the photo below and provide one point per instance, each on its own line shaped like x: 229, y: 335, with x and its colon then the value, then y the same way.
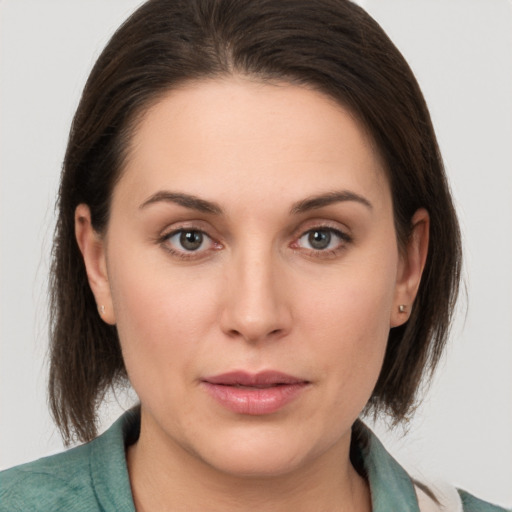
x: 218, y: 136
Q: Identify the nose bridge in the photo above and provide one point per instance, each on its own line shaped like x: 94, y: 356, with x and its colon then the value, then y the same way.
x: 255, y: 308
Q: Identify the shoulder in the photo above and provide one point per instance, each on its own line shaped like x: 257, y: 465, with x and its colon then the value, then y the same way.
x: 59, y: 482
x: 87, y: 478
x: 393, y: 488
x: 472, y: 504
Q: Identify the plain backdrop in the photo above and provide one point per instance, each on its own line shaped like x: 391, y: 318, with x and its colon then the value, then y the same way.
x: 461, y: 52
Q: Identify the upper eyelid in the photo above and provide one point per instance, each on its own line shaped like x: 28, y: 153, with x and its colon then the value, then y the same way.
x: 176, y: 227
x: 345, y: 237
x: 173, y: 232
x: 334, y: 226
x: 339, y: 232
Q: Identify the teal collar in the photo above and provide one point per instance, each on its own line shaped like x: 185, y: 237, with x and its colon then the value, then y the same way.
x: 390, y: 486
x: 109, y: 472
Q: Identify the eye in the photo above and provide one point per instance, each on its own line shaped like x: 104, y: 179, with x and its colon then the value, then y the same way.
x: 188, y: 240
x: 323, y: 239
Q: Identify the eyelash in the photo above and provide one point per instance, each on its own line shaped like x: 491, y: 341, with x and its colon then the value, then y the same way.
x: 184, y: 254
x: 343, y: 240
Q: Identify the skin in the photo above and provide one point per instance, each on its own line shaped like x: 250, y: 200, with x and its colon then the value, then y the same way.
x: 255, y: 296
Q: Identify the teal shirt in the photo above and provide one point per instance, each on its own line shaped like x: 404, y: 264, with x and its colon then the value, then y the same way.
x: 94, y: 477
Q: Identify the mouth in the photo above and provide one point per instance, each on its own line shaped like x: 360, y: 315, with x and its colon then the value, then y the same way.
x: 254, y: 394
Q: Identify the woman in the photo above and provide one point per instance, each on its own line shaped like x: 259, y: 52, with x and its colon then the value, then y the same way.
x: 255, y: 229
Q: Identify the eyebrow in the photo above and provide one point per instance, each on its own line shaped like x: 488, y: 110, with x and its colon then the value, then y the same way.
x: 310, y: 203
x: 319, y: 201
x: 185, y: 200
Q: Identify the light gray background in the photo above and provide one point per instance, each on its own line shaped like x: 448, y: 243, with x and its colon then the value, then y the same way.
x: 461, y: 52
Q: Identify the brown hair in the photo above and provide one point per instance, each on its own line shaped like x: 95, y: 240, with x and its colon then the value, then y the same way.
x: 330, y: 45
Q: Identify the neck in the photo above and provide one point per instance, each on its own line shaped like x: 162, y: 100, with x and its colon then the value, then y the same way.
x: 166, y: 477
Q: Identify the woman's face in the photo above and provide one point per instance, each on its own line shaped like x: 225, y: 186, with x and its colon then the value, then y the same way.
x: 251, y: 267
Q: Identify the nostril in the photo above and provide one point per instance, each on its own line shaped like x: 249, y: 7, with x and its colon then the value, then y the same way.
x: 275, y: 333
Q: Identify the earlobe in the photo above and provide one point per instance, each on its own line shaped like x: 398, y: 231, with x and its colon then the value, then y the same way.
x: 412, y: 263
x: 92, y: 248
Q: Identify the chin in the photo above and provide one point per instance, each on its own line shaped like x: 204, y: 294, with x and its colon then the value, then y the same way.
x: 260, y: 452
x: 262, y: 464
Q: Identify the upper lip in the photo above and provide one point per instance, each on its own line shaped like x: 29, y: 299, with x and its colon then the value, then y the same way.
x: 260, y: 379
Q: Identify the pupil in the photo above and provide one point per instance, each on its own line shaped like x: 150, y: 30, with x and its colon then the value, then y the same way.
x: 191, y: 240
x: 319, y: 239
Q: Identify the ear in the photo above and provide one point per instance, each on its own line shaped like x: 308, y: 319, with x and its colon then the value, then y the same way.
x: 92, y: 248
x: 410, y: 268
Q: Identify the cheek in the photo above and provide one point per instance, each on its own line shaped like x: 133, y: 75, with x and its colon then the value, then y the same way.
x: 162, y: 318
x: 350, y: 320
x: 356, y: 300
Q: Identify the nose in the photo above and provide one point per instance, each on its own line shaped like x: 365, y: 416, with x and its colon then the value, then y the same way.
x: 256, y: 306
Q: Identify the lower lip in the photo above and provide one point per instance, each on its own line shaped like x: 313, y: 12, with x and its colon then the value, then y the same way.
x: 255, y: 401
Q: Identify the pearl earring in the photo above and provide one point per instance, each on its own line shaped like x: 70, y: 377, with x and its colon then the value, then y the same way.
x: 402, y: 308
x: 101, y: 309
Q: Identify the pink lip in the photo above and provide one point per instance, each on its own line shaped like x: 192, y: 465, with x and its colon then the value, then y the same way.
x: 254, y: 394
